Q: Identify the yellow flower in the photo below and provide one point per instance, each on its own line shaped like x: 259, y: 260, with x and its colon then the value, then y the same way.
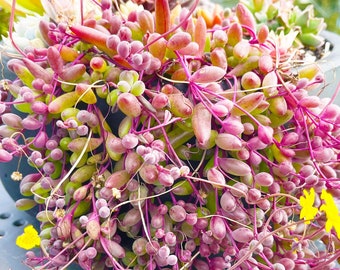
x: 308, y: 211
x: 332, y: 212
x: 29, y: 239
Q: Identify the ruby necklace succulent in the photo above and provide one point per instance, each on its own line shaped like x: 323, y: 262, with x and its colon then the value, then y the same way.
x: 176, y: 139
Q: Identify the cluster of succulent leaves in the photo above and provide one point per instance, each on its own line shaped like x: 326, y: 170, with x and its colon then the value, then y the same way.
x: 179, y: 139
x: 329, y: 10
x: 287, y: 17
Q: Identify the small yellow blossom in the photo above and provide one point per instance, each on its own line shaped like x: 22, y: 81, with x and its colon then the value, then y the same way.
x: 29, y: 239
x: 332, y: 212
x: 16, y: 176
x: 308, y: 211
x: 116, y: 193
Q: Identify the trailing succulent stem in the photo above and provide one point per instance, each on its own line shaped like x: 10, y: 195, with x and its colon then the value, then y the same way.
x: 179, y: 138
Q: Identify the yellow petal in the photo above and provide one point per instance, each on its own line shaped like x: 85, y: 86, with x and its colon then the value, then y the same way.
x: 29, y: 239
x: 32, y: 5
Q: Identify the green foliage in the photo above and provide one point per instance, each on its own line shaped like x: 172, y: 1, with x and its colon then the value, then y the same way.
x: 328, y: 9
x: 4, y: 18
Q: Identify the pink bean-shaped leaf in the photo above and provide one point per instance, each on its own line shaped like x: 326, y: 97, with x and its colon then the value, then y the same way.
x: 162, y: 16
x: 92, y: 36
x: 78, y: 144
x: 115, y: 249
x: 228, y: 142
x: 245, y: 16
x: 62, y: 102
x: 73, y: 73
x: 247, y: 103
x: 117, y: 179
x: 179, y: 40
x: 12, y: 120
x: 93, y: 229
x: 201, y: 123
x: 200, y: 33
x: 38, y: 71
x: 234, y: 166
x: 216, y: 178
x: 129, y: 104
x: 180, y: 105
x: 5, y: 156
x: 218, y: 227
x: 207, y: 74
x: 55, y: 60
x: 242, y: 235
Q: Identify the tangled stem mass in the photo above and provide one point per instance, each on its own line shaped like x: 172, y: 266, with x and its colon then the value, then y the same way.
x: 177, y: 138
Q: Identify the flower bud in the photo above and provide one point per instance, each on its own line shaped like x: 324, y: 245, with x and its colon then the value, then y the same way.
x: 239, y: 190
x: 165, y: 179
x: 170, y: 239
x: 233, y: 125
x: 287, y: 263
x: 253, y: 195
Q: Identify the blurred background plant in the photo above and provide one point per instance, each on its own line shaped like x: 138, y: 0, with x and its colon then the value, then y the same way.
x: 328, y: 9
x: 23, y: 8
x: 4, y: 19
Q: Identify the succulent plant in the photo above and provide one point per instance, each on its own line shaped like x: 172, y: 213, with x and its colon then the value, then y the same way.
x: 180, y: 138
x: 285, y: 16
